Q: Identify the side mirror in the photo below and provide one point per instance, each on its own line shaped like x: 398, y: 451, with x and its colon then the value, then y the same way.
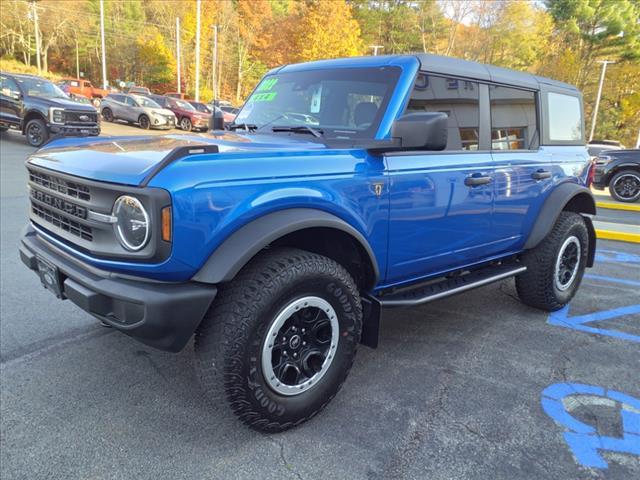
x: 216, y: 122
x: 421, y: 131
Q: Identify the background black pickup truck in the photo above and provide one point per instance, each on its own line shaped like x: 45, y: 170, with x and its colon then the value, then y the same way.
x: 39, y: 109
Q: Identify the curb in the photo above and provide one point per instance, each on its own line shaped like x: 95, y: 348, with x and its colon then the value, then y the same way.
x: 619, y: 236
x: 618, y: 206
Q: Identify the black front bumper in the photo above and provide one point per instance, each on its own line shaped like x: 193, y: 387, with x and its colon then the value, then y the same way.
x: 161, y: 315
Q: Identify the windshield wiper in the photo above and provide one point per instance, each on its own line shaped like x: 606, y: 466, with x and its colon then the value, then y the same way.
x: 244, y: 126
x: 316, y: 132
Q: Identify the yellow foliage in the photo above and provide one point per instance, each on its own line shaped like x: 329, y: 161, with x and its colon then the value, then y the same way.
x: 327, y: 30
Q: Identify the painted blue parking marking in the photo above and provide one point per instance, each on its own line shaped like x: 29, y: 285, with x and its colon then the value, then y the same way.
x: 611, y: 256
x: 583, y: 439
x: 604, y: 278
x: 561, y: 318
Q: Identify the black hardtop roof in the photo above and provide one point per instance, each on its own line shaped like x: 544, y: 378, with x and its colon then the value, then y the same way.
x: 488, y: 73
x: 451, y: 66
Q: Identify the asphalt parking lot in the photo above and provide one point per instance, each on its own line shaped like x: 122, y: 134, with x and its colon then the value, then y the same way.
x: 476, y: 386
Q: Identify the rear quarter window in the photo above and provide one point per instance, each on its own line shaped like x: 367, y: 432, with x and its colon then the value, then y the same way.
x: 565, y: 118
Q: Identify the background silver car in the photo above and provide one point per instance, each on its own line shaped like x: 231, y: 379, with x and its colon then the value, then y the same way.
x: 136, y: 109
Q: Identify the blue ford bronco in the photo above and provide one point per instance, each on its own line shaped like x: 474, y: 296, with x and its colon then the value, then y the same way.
x: 343, y: 187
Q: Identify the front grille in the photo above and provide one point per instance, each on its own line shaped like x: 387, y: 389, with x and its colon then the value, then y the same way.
x: 64, y: 223
x: 58, y: 185
x: 74, y: 117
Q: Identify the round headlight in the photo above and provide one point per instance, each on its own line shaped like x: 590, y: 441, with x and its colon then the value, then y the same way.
x: 132, y: 225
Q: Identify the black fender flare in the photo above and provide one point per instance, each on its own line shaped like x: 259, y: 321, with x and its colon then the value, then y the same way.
x: 242, y: 245
x: 570, y: 197
x: 30, y: 115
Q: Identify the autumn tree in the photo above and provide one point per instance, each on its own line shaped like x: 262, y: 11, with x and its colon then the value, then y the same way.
x: 326, y: 30
x: 597, y: 28
x: 157, y: 65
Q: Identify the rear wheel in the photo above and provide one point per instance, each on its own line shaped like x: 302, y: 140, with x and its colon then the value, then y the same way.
x: 107, y: 114
x: 556, y: 266
x: 36, y: 132
x: 144, y: 122
x: 280, y: 339
x: 186, y: 125
x: 625, y: 186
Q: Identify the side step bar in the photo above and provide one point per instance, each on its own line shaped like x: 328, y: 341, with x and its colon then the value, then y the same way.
x: 450, y: 286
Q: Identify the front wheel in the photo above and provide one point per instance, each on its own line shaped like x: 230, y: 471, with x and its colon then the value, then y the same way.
x: 555, y: 267
x: 280, y: 339
x: 625, y: 186
x: 186, y: 124
x: 144, y: 122
x: 107, y: 114
x: 36, y: 132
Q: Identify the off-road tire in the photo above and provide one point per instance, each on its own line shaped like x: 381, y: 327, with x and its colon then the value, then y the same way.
x: 537, y: 286
x: 107, y: 114
x: 144, y: 122
x: 229, y: 342
x: 36, y: 132
x: 632, y: 175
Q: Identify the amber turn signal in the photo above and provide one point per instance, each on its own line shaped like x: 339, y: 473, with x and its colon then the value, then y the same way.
x: 166, y: 224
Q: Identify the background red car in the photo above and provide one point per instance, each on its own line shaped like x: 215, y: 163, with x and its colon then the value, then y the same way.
x: 188, y: 118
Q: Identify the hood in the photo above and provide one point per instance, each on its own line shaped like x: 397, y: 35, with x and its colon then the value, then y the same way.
x: 64, y: 103
x: 159, y: 111
x: 128, y: 160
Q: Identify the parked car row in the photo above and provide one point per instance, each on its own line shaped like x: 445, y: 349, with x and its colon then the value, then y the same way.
x: 160, y: 111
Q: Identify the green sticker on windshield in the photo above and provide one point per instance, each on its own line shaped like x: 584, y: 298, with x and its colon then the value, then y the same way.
x: 263, y: 97
x: 267, y: 84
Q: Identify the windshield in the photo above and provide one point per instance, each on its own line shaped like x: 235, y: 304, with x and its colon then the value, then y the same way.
x: 40, y: 88
x: 185, y: 105
x: 146, y: 102
x: 344, y: 102
x: 201, y: 107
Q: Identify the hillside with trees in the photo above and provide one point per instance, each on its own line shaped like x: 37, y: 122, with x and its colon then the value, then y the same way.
x: 562, y: 39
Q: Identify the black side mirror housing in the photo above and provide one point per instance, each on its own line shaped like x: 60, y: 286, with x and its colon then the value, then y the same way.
x: 421, y: 131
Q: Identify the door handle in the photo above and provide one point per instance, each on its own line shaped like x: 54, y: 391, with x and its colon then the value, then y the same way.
x: 541, y: 174
x: 476, y: 180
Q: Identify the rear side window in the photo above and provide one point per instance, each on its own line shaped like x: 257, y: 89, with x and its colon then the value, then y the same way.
x: 459, y: 99
x: 513, y: 119
x: 565, y: 121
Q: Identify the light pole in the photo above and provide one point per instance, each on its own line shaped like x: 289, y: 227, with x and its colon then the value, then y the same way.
x: 36, y: 28
x: 178, y: 53
x: 376, y: 48
x: 595, y: 110
x: 77, y: 59
x: 198, y: 51
x: 104, y: 55
x: 214, y: 70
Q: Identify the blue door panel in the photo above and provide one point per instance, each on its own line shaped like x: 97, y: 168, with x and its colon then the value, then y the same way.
x: 518, y: 195
x: 437, y: 222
